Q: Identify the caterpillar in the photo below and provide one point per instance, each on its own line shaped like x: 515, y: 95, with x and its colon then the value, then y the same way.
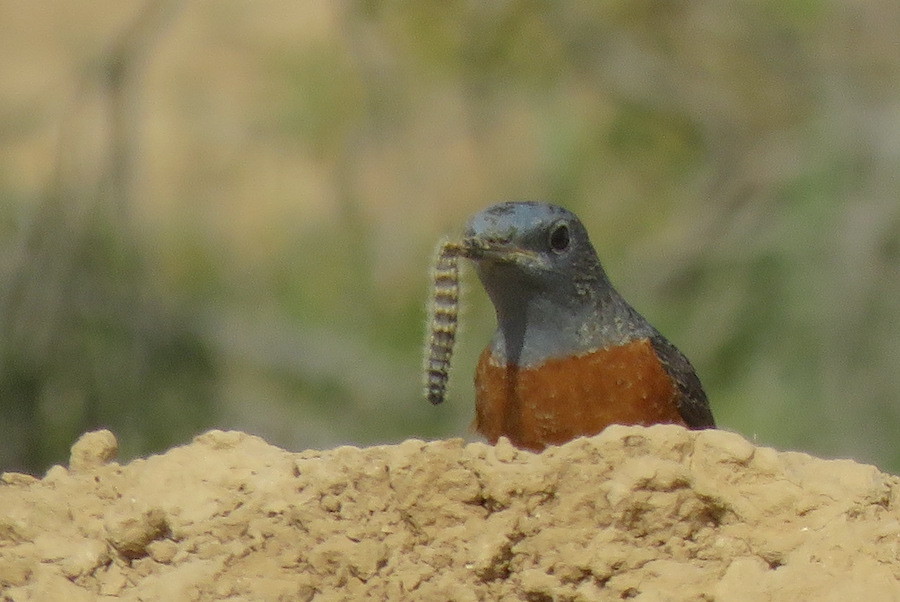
x: 443, y: 317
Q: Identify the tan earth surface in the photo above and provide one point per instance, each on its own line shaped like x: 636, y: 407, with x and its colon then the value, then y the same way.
x: 656, y: 513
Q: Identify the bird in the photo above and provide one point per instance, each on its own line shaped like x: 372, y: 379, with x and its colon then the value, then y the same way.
x: 569, y: 356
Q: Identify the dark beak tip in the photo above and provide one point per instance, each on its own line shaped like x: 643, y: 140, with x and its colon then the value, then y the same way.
x: 472, y: 247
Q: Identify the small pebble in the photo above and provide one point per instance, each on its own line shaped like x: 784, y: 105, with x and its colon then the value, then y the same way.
x: 93, y: 450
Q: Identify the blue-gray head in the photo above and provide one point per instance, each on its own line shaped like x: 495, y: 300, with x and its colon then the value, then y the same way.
x: 526, y: 249
x: 538, y: 266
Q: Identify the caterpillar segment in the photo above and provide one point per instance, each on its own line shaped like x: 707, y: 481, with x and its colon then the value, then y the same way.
x: 443, y: 312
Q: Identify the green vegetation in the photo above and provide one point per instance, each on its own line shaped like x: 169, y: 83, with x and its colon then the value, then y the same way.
x: 223, y: 214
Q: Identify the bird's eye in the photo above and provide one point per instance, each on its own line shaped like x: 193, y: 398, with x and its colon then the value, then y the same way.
x: 559, y: 237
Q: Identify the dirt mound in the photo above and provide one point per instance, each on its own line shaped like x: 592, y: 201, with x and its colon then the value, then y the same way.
x: 652, y: 513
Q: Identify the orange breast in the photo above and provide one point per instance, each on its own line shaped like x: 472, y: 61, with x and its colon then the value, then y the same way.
x: 566, y: 398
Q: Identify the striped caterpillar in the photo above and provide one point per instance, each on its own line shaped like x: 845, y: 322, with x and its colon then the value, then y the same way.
x: 443, y: 316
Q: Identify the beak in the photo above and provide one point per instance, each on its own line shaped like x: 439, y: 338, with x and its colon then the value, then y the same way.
x: 474, y: 248
x: 477, y: 249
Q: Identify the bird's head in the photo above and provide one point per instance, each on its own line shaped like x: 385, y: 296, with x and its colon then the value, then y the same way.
x: 524, y: 249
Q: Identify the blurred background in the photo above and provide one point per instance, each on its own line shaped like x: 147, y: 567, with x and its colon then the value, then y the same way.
x: 222, y: 213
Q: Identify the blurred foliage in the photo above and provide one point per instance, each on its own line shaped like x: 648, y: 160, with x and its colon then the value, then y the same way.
x: 88, y: 342
x: 222, y: 214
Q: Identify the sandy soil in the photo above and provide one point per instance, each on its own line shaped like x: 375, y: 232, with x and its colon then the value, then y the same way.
x: 656, y: 513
